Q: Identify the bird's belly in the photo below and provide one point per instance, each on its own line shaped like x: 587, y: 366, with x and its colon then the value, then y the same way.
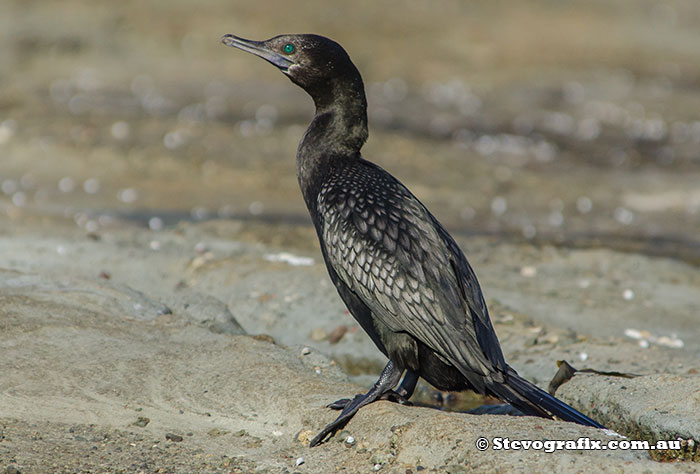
x: 409, y: 353
x: 439, y: 373
x: 400, y: 347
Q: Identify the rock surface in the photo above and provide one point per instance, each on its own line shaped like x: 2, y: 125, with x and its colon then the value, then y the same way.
x: 128, y: 373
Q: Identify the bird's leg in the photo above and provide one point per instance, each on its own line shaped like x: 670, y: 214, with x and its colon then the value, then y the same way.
x: 388, y: 379
x: 400, y: 395
x: 405, y: 390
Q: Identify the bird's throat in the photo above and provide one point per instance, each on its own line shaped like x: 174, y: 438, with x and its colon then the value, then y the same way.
x: 335, y: 135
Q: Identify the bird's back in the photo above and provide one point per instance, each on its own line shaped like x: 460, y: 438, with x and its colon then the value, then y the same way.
x: 387, y: 248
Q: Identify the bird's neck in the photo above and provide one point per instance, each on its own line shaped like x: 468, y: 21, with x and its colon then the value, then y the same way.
x: 336, y: 133
x: 340, y: 122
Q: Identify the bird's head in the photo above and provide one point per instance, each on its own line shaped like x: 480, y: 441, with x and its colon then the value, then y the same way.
x: 310, y: 61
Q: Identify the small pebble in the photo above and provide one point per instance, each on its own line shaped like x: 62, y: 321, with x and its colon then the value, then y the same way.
x: 19, y: 199
x: 142, y: 421
x: 9, y: 186
x: 120, y: 130
x: 584, y: 204
x: 199, y: 213
x: 91, y: 226
x: 529, y: 231
x: 173, y: 437
x: 155, y: 223
x: 91, y: 185
x: 66, y: 185
x: 318, y: 334
x: 127, y: 195
x: 337, y: 334
x: 672, y: 341
x: 624, y: 216
x: 305, y: 351
x: 256, y: 208
x: 215, y: 432
x: 264, y: 338
x: 528, y: 271
x: 499, y: 205
x: 304, y: 436
x: 300, y: 461
x: 628, y: 294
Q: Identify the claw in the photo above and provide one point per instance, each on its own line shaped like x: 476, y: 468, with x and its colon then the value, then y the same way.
x: 339, y: 404
x: 319, y: 438
x: 389, y: 378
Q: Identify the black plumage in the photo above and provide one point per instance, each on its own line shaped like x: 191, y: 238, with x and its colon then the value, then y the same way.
x: 399, y: 272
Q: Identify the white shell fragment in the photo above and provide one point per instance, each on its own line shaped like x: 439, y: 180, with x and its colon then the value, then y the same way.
x: 645, y: 337
x: 289, y: 258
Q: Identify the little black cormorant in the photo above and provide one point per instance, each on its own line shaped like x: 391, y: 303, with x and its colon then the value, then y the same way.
x: 399, y: 272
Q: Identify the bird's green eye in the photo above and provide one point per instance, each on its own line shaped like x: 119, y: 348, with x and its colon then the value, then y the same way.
x: 288, y: 48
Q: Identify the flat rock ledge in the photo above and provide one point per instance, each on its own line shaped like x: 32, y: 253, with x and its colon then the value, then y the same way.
x: 92, y: 385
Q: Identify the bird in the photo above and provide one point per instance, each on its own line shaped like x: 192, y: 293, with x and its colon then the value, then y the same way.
x: 399, y: 272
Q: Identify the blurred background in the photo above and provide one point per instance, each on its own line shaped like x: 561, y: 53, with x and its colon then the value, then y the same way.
x: 575, y: 123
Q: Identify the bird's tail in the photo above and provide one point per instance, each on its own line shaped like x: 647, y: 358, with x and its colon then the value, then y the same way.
x: 532, y: 400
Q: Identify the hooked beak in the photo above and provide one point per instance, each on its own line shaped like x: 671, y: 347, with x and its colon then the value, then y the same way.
x: 259, y: 48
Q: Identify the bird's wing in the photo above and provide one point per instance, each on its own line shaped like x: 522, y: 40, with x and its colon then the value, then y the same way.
x: 387, y: 247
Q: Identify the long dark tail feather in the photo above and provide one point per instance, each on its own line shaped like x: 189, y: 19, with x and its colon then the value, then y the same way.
x: 532, y: 400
